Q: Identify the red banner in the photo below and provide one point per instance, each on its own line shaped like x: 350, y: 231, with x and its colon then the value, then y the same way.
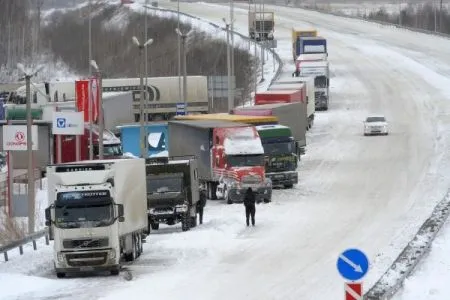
x: 82, y: 97
x: 94, y: 98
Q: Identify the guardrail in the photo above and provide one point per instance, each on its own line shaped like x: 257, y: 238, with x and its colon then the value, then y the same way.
x: 21, y: 242
x: 274, y: 53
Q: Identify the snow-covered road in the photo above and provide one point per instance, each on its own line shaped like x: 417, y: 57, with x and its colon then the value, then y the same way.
x: 366, y: 192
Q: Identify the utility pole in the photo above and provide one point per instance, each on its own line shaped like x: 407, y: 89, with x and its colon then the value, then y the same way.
x: 91, y: 144
x: 232, y: 35
x: 147, y: 96
x: 230, y: 97
x: 440, y: 18
x: 143, y: 138
x: 179, y: 53
x: 101, y: 123
x: 184, y: 46
x: 30, y: 175
x: 256, y: 53
x: 263, y: 39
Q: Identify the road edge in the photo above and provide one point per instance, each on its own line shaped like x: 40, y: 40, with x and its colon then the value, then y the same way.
x: 403, y: 266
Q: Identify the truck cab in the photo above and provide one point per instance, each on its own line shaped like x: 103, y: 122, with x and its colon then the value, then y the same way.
x: 280, y: 154
x: 96, y: 214
x: 238, y: 154
x: 172, y: 191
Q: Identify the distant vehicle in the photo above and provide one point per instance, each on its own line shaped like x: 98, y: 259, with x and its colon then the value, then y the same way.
x: 375, y: 125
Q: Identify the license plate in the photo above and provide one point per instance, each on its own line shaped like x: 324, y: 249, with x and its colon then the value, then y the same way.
x: 86, y: 269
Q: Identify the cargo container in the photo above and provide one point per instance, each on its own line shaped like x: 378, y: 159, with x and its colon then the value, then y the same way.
x: 285, y: 96
x: 254, y: 120
x: 288, y: 114
x: 230, y: 157
x: 298, y: 82
x: 97, y: 213
x: 310, y: 45
x: 298, y: 33
x: 156, y: 133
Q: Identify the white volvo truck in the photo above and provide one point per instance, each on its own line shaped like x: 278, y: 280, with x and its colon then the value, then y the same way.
x: 97, y: 214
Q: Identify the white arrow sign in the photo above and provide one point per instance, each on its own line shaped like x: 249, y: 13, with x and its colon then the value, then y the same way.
x: 356, y: 267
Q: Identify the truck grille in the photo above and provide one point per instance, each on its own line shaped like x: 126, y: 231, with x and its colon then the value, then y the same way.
x: 86, y: 243
x: 251, y: 179
x: 86, y: 259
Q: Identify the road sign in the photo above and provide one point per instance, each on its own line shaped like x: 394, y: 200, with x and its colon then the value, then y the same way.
x: 353, y: 264
x: 15, y: 137
x: 181, y: 109
x: 353, y: 291
x: 68, y: 123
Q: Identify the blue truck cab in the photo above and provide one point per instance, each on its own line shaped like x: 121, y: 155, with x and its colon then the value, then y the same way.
x: 311, y: 45
x: 156, y: 141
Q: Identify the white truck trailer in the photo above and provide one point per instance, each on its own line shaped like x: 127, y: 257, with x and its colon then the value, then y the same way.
x: 292, y: 83
x: 97, y: 214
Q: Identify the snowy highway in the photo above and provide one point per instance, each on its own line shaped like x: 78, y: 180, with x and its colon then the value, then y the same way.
x: 370, y: 193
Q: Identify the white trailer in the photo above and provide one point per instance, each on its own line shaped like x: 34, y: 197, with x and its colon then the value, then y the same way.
x: 290, y: 83
x: 97, y: 214
x: 162, y: 93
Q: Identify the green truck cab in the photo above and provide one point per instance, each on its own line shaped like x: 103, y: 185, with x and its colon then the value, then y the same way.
x: 280, y: 154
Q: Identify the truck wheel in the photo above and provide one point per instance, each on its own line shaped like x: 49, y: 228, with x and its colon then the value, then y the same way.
x: 185, y: 222
x: 193, y: 222
x: 114, y: 272
x: 155, y: 226
x: 60, y: 274
x: 288, y: 186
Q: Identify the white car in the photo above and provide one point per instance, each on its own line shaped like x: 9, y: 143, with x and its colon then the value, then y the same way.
x: 375, y: 125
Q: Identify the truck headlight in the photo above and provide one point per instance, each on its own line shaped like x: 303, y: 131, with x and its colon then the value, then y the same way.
x: 112, y: 254
x: 181, y: 208
x: 60, y: 257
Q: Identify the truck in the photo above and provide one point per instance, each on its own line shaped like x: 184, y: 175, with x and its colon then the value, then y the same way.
x: 162, y: 94
x: 292, y: 115
x: 310, y: 45
x: 298, y: 33
x: 97, y: 214
x: 280, y: 157
x: 320, y: 70
x: 172, y: 191
x: 297, y: 82
x: 253, y: 120
x: 156, y: 133
x: 230, y: 157
x: 281, y: 96
x: 261, y: 25
x: 112, y: 146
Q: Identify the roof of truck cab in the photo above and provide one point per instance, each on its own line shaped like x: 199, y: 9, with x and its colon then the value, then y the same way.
x: 265, y: 106
x: 230, y: 117
x: 209, y: 123
x: 303, y: 29
x: 277, y: 92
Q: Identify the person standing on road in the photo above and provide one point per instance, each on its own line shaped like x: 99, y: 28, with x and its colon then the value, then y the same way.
x: 201, y: 204
x: 250, y: 206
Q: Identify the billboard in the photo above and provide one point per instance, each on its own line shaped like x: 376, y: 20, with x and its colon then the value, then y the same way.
x: 15, y: 137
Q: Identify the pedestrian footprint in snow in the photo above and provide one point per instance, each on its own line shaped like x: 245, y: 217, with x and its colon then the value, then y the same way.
x: 250, y: 206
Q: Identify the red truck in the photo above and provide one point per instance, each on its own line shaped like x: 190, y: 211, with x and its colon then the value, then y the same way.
x: 281, y: 96
x: 111, y: 144
x: 230, y: 157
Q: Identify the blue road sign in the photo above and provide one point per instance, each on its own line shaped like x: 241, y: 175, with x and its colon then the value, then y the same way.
x: 181, y: 109
x: 61, y: 122
x: 353, y: 264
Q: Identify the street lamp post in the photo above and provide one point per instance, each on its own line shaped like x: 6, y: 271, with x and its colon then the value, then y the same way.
x: 141, y: 47
x: 31, y: 188
x: 184, y: 42
x: 230, y: 97
x: 91, y: 144
x: 101, y: 123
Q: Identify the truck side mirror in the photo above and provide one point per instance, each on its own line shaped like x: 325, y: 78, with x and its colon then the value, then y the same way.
x: 120, y: 212
x: 48, y: 217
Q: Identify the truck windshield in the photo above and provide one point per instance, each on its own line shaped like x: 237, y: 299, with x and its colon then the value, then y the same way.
x: 164, y: 184
x: 278, y: 148
x: 320, y: 81
x: 110, y: 150
x: 245, y: 160
x: 84, y: 209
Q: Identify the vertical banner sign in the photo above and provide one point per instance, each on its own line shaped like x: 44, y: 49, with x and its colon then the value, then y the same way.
x: 82, y: 97
x: 94, y: 97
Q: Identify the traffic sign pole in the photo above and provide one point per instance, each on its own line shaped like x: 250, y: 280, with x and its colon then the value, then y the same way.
x: 353, y: 290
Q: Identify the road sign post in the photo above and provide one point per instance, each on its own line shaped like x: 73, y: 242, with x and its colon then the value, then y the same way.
x: 353, y: 291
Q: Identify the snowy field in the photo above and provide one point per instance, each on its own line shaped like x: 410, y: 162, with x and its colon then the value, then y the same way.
x: 369, y: 193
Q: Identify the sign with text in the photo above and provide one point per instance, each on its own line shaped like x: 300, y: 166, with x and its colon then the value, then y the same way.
x: 15, y: 137
x: 68, y: 123
x: 85, y: 91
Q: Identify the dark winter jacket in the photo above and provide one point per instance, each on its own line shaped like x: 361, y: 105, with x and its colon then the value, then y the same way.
x: 249, y: 198
x: 202, y: 200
